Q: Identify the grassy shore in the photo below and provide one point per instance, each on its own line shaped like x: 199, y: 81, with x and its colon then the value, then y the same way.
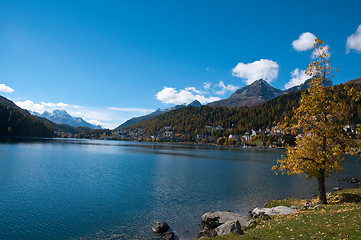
x: 340, y: 219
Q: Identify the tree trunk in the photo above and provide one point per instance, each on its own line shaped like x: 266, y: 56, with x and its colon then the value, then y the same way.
x: 321, y: 188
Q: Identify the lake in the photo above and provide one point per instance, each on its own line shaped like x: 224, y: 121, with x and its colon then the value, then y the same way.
x: 72, y: 189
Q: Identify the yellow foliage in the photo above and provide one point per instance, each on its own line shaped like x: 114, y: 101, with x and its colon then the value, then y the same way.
x: 318, y: 121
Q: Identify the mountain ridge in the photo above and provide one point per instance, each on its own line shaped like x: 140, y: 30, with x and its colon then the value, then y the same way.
x: 188, y: 123
x: 251, y: 95
x: 158, y: 112
x: 354, y: 81
x: 63, y: 117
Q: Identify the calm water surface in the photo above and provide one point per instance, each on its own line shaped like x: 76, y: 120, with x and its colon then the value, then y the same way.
x: 72, y: 189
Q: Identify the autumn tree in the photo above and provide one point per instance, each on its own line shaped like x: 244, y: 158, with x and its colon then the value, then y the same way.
x: 318, y: 121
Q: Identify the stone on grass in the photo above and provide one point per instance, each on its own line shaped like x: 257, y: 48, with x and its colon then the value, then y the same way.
x: 280, y: 210
x: 212, y: 220
x: 222, y: 217
x: 229, y: 227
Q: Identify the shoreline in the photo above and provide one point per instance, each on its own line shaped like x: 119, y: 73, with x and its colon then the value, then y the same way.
x: 343, y: 211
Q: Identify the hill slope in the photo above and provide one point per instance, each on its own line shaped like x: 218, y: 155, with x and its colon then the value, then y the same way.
x: 355, y: 81
x: 15, y: 121
x: 158, y: 112
x: 8, y: 103
x: 238, y: 120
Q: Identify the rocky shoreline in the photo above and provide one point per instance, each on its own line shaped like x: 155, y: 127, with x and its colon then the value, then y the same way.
x: 220, y: 223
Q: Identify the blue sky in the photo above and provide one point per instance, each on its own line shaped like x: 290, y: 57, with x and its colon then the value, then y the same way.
x: 107, y: 61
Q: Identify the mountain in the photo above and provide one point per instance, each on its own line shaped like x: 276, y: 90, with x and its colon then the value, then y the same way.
x: 195, y: 103
x: 251, y: 95
x: 302, y: 86
x: 15, y: 121
x: 136, y: 120
x: 355, y: 81
x: 6, y: 102
x: 62, y: 117
x: 158, y: 112
x: 258, y: 92
x: 188, y: 122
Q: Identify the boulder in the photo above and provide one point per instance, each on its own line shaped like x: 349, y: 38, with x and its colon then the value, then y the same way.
x: 229, y: 227
x: 261, y: 215
x: 212, y: 220
x: 216, y: 219
x: 280, y: 210
x: 167, y: 236
x: 160, y: 227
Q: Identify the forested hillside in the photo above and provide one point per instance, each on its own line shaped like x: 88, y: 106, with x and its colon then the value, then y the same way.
x: 17, y: 123
x: 193, y: 121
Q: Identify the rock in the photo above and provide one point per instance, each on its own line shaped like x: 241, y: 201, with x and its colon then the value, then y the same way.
x: 167, y: 236
x: 261, y: 215
x: 229, y: 227
x: 336, y: 189
x: 280, y: 210
x: 317, y: 207
x: 160, y: 227
x: 212, y: 220
x: 218, y: 218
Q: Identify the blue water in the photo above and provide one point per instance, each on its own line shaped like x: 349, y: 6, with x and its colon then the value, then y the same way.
x: 72, y: 189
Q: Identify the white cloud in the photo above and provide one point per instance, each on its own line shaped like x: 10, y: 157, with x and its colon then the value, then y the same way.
x: 95, y: 122
x: 264, y: 68
x: 30, y: 105
x: 297, y: 77
x: 304, y: 42
x: 106, y: 117
x: 4, y: 88
x: 55, y: 105
x: 193, y: 89
x: 354, y: 41
x: 225, y: 88
x: 184, y: 96
x: 207, y: 85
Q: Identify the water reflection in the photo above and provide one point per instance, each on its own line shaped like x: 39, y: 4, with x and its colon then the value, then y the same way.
x: 71, y: 188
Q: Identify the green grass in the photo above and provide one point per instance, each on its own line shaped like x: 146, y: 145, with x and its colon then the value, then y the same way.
x: 285, y: 202
x: 340, y: 219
